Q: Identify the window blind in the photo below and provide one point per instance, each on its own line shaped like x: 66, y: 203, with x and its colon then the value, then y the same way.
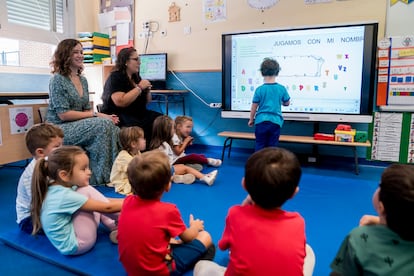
x: 41, y: 14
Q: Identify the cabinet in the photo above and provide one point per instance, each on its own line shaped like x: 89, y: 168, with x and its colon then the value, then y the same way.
x: 13, y: 146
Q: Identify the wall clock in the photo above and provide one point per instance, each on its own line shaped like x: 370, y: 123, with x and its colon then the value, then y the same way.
x: 262, y: 4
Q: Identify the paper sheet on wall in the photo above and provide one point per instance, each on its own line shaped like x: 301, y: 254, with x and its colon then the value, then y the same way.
x: 122, y: 15
x: 106, y: 20
x: 410, y: 158
x: 21, y: 119
x: 1, y: 136
x: 309, y: 2
x: 386, y: 136
x: 401, y: 77
x: 122, y: 34
x: 214, y: 10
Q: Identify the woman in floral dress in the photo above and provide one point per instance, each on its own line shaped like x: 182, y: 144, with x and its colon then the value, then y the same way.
x: 69, y: 108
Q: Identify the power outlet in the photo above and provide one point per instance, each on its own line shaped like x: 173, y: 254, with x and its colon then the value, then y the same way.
x: 143, y: 35
x: 215, y: 105
x: 146, y: 26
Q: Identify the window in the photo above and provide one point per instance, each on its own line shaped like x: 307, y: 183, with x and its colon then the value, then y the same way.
x: 42, y: 14
x: 31, y: 29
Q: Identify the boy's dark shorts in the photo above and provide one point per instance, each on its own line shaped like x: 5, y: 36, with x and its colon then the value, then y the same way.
x: 185, y: 255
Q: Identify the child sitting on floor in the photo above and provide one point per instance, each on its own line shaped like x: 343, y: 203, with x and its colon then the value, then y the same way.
x: 65, y: 206
x: 383, y: 244
x: 264, y: 239
x: 41, y: 139
x: 132, y: 140
x: 182, y: 139
x: 162, y: 138
x: 147, y: 226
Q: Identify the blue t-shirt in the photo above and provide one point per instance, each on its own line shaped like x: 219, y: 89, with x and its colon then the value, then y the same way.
x: 56, y: 217
x: 270, y: 97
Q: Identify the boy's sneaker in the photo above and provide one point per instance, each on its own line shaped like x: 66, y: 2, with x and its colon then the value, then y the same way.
x: 214, y: 162
x: 197, y: 167
x: 184, y: 178
x: 113, y: 236
x: 210, y: 177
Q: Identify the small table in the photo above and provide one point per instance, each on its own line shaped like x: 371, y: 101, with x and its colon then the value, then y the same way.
x: 5, y: 97
x: 169, y: 96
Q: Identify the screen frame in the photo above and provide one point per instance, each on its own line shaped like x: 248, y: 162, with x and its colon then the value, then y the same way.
x: 368, y: 77
x: 156, y: 83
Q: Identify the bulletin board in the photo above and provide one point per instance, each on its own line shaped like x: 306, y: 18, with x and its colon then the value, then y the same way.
x: 396, y: 72
x: 392, y: 136
x: 122, y: 31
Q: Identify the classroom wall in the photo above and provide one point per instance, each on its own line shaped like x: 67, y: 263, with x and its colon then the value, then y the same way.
x: 400, y: 19
x: 196, y: 58
x: 201, y: 49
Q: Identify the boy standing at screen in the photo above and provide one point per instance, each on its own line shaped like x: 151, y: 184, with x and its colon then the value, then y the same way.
x: 266, y: 110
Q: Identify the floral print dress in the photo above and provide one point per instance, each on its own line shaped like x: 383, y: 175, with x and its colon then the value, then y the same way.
x: 99, y: 137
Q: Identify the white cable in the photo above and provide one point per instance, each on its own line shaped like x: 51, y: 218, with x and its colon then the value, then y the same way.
x: 189, y: 89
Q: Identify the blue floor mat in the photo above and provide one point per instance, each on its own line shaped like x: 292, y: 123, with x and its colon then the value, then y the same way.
x: 103, y: 255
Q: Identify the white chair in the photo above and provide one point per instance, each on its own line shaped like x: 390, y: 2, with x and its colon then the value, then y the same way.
x: 42, y: 113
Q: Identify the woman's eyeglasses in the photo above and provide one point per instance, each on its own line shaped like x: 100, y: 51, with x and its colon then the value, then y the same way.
x: 136, y: 59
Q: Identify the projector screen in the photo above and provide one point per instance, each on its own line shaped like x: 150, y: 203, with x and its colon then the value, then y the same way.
x: 328, y: 71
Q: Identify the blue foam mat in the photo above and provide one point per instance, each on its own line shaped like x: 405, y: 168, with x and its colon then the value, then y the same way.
x: 100, y: 260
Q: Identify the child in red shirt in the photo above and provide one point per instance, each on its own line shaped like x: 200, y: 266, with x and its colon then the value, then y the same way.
x: 147, y: 227
x: 264, y: 239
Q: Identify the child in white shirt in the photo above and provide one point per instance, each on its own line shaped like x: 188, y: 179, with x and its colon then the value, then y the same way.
x: 163, y: 131
x: 182, y: 139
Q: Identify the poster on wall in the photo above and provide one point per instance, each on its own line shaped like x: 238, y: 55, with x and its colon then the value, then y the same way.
x: 1, y: 136
x: 386, y: 136
x: 214, y: 11
x: 118, y: 17
x: 410, y: 158
x: 401, y: 71
x: 21, y: 119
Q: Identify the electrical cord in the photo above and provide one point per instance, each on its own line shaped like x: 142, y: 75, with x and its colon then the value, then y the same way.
x: 189, y: 89
x: 198, y: 97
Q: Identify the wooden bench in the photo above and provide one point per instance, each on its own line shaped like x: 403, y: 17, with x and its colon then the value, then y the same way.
x: 231, y: 135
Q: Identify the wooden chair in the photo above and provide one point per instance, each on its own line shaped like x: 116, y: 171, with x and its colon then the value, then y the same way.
x: 99, y: 108
x: 42, y: 113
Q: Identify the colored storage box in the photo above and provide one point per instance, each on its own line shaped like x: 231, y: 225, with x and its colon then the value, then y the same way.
x: 345, y: 136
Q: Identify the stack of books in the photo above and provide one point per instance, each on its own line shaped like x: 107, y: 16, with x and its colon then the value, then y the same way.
x: 96, y: 46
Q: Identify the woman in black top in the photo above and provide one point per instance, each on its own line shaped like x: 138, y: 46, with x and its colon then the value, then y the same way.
x: 127, y: 95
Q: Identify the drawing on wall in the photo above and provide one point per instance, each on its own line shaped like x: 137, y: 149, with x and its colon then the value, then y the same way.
x: 21, y: 119
x: 174, y: 13
x: 309, y: 2
x: 117, y: 17
x: 262, y: 4
x: 1, y: 136
x: 401, y: 80
x: 410, y: 158
x: 214, y: 10
x: 404, y: 1
x: 386, y: 136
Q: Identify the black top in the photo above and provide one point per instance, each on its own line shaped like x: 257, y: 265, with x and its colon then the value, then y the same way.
x: 119, y: 81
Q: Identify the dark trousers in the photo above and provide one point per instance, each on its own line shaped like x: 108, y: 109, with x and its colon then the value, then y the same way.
x: 267, y: 135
